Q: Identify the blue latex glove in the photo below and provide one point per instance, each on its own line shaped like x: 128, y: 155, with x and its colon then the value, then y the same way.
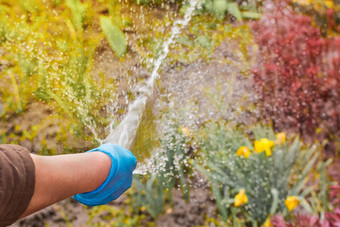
x: 118, y: 180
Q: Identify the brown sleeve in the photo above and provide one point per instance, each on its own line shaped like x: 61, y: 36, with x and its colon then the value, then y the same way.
x: 17, y: 181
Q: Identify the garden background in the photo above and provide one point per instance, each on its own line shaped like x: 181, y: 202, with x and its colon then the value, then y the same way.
x: 243, y: 128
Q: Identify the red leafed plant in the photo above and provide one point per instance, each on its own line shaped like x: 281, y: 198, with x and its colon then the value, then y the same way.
x: 303, y: 220
x: 298, y: 72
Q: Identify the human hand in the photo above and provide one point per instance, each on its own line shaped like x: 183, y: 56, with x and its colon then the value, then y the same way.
x: 118, y: 180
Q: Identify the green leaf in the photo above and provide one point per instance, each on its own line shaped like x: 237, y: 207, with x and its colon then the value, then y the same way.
x: 78, y: 12
x: 251, y: 15
x: 234, y: 10
x: 275, y: 194
x: 185, y: 41
x: 28, y: 5
x: 204, y: 41
x: 114, y: 35
x: 219, y: 7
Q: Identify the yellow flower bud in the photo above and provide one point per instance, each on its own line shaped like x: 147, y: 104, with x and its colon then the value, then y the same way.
x: 267, y: 223
x: 263, y: 145
x: 280, y: 138
x: 241, y: 198
x: 292, y: 202
x: 243, y: 151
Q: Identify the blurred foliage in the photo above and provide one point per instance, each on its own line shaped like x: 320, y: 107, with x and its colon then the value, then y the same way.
x: 219, y: 8
x: 266, y: 178
x: 174, y: 169
x: 114, y: 35
x: 331, y: 218
x: 149, y: 195
x: 205, y: 34
x: 303, y: 220
x: 298, y: 75
x: 47, y: 51
x: 49, y: 58
x: 237, y: 9
x: 111, y: 216
x: 325, y: 14
x: 48, y: 55
x: 103, y: 215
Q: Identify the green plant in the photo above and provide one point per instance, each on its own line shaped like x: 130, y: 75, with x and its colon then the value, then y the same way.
x: 174, y: 160
x: 264, y: 179
x: 219, y: 8
x: 148, y: 2
x: 114, y: 35
x: 174, y: 169
x: 107, y: 215
x: 54, y: 66
x: 149, y: 195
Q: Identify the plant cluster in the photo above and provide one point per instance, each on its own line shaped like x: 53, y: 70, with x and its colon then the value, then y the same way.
x: 252, y: 176
x: 253, y: 180
x: 298, y: 75
x: 325, y: 14
x: 172, y: 161
x: 237, y: 9
x: 53, y: 62
x: 219, y: 8
x: 302, y: 220
x: 112, y: 216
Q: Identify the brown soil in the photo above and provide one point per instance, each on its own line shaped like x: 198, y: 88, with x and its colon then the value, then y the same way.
x: 63, y: 213
x: 190, y: 213
x: 182, y: 213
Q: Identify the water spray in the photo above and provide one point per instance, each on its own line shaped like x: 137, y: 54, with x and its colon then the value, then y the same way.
x: 124, y: 134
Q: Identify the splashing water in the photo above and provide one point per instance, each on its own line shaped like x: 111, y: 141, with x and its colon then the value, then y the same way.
x: 125, y: 132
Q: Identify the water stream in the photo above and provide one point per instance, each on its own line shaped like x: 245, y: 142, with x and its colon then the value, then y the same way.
x: 125, y: 132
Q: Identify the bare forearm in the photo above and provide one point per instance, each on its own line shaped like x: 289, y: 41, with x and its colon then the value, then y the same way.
x: 58, y: 177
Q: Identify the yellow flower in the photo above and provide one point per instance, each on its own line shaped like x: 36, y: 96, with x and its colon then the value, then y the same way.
x: 292, y: 202
x: 185, y: 131
x: 241, y: 198
x: 264, y: 145
x: 329, y: 4
x: 267, y: 223
x: 243, y: 151
x: 280, y: 138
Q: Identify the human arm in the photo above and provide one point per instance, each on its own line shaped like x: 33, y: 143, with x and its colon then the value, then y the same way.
x: 59, y: 177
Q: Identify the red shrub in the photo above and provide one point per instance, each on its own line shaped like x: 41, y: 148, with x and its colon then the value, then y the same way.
x: 303, y: 220
x: 335, y: 195
x: 298, y: 74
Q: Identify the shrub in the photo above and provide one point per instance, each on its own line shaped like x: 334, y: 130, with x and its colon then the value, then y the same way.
x: 298, y: 74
